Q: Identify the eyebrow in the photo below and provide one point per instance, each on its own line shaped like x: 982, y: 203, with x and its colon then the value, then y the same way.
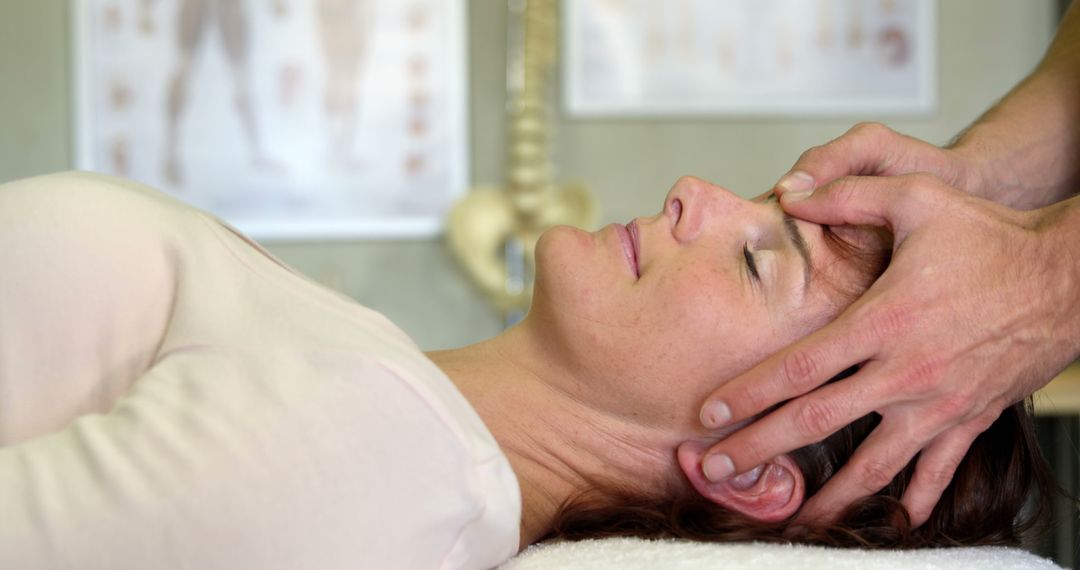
x: 797, y: 240
x: 791, y: 229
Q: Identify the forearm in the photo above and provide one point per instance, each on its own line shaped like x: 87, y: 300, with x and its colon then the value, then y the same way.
x: 1027, y: 146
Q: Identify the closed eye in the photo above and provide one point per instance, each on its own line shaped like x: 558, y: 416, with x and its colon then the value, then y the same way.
x: 750, y: 264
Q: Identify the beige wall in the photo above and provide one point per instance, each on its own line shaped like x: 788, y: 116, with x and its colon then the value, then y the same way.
x: 985, y: 47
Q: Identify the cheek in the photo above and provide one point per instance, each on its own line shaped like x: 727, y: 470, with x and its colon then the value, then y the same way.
x: 697, y: 316
x: 679, y: 334
x: 696, y: 299
x: 704, y: 327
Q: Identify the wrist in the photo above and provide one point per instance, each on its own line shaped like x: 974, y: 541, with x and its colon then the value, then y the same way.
x: 981, y: 159
x: 1057, y: 230
x: 976, y: 172
x: 1022, y: 150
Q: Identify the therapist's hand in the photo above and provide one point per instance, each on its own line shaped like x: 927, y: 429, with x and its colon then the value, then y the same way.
x: 872, y: 149
x: 974, y: 312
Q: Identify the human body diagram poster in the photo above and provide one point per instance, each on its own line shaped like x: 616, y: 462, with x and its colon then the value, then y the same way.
x: 290, y: 119
x: 749, y: 57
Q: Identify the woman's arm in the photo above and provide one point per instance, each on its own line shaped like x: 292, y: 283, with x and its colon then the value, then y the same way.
x: 86, y: 296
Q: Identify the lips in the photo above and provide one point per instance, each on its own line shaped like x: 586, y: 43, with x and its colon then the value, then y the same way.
x: 635, y: 239
x: 628, y: 237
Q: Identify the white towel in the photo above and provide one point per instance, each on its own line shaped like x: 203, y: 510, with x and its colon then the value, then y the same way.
x: 640, y: 554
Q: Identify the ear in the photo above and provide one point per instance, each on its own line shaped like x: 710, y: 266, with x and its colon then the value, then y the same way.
x: 770, y: 492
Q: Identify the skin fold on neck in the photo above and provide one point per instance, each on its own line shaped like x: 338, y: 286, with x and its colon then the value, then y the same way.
x: 558, y: 440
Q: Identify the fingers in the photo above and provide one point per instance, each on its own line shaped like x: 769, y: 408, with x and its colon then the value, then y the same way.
x: 877, y: 462
x: 873, y: 466
x: 882, y: 456
x: 864, y: 150
x: 935, y: 469
x: 801, y: 422
x: 792, y: 372
x: 895, y: 202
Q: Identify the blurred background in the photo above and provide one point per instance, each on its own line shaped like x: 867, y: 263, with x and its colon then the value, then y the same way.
x: 983, y: 47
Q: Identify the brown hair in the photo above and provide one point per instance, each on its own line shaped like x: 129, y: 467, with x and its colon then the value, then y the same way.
x: 1001, y: 489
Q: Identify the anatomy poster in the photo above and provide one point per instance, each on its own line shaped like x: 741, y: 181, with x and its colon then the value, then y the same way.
x: 749, y: 57
x: 290, y: 119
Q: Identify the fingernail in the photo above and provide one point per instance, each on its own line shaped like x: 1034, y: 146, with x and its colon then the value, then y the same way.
x: 717, y: 467
x: 792, y: 197
x: 797, y: 182
x: 715, y: 415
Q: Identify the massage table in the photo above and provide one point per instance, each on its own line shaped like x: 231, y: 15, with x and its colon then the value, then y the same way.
x: 642, y: 554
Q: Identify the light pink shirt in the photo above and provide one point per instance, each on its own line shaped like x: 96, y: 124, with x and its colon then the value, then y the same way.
x: 172, y: 396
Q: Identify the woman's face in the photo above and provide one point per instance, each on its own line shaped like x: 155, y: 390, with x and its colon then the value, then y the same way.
x: 657, y: 314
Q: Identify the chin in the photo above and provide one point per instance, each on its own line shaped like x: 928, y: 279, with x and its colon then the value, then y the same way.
x: 562, y: 249
x: 565, y: 262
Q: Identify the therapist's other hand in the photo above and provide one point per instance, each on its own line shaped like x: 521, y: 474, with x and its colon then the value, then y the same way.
x: 872, y: 149
x: 972, y: 315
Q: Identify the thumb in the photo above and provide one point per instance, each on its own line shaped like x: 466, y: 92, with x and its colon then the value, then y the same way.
x: 885, y: 201
x: 866, y: 149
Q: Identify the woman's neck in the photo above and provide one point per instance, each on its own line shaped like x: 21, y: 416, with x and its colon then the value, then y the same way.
x: 558, y: 444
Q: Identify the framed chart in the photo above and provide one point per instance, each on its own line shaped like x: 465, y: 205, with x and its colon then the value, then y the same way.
x: 749, y: 57
x: 290, y: 119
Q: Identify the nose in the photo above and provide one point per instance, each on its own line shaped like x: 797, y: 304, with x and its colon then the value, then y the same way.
x: 692, y: 201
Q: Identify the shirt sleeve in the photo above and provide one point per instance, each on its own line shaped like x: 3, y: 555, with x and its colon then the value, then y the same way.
x: 85, y: 299
x: 218, y: 459
x: 200, y: 465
